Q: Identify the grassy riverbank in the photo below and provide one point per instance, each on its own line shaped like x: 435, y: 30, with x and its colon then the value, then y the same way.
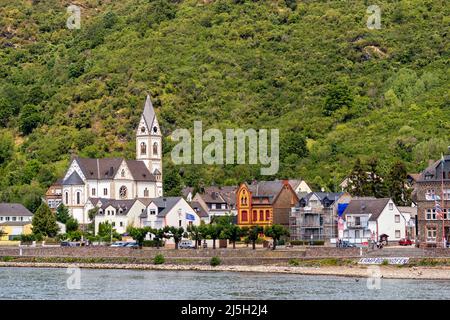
x: 429, y: 269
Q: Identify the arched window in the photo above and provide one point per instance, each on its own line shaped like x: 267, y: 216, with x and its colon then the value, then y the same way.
x: 123, y: 192
x: 155, y: 149
x: 143, y: 148
x: 122, y: 173
x: 146, y: 192
x: 67, y: 197
x: 268, y: 215
x: 78, y: 197
x: 261, y: 215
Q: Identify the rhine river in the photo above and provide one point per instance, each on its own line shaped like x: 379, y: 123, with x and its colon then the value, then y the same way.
x: 43, y: 283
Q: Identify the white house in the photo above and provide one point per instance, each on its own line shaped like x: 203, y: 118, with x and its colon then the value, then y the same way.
x: 300, y: 186
x: 119, y: 213
x: 117, y: 178
x: 169, y: 211
x: 367, y: 219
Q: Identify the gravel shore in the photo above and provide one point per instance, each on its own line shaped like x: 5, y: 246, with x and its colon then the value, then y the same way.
x: 388, y: 272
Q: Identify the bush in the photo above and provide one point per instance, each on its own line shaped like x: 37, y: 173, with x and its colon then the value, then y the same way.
x: 159, y: 259
x: 281, y: 242
x: 385, y: 262
x: 152, y: 243
x: 307, y: 242
x: 27, y: 237
x: 215, y: 261
x: 293, y: 262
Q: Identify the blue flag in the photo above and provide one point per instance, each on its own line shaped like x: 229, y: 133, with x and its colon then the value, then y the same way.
x: 190, y: 217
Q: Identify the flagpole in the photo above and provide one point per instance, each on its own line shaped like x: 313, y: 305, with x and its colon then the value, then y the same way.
x: 442, y: 203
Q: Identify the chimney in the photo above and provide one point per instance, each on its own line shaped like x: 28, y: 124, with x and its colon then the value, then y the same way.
x: 164, y: 202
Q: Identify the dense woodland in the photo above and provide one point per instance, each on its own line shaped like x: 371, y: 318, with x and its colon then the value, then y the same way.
x: 337, y: 90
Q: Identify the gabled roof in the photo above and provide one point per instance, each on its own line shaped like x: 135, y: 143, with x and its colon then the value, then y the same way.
x: 434, y: 171
x: 106, y: 169
x: 149, y: 112
x: 199, y: 209
x: 122, y: 206
x: 367, y: 206
x: 14, y: 209
x: 165, y: 204
x: 74, y: 180
x: 15, y: 223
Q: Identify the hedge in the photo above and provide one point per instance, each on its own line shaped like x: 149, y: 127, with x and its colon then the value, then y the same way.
x: 307, y: 242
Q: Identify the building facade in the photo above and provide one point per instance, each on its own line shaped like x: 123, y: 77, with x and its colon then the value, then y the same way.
x: 265, y: 203
x: 315, y: 216
x: 117, y: 178
x: 15, y: 220
x: 432, y: 187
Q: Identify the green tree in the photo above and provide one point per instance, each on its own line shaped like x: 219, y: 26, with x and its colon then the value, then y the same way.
x: 253, y: 234
x: 214, y: 231
x: 106, y: 231
x: 71, y: 225
x: 357, y: 185
x: 159, y: 235
x: 397, y: 184
x: 44, y: 222
x: 338, y: 96
x: 29, y: 119
x: 233, y: 233
x: 6, y: 146
x: 138, y: 234
x: 376, y: 183
x: 62, y: 213
x: 197, y: 233
x: 275, y: 232
x: 175, y: 233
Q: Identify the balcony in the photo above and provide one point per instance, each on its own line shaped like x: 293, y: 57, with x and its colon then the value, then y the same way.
x: 357, y: 225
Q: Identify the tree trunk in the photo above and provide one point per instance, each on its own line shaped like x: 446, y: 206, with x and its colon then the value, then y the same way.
x: 234, y: 244
x: 254, y: 244
x: 214, y: 244
x: 176, y: 245
x: 196, y: 244
x: 274, y: 244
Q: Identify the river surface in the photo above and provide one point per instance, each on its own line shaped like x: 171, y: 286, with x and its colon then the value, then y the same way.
x: 43, y: 283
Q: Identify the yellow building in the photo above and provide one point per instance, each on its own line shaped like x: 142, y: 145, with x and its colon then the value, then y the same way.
x: 10, y: 230
x: 15, y: 220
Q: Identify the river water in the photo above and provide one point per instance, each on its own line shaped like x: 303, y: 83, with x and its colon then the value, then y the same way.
x: 43, y: 283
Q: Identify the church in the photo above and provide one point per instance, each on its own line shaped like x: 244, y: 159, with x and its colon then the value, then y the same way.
x: 117, y: 178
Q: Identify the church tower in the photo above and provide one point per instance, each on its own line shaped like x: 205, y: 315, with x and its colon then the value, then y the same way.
x: 149, y: 143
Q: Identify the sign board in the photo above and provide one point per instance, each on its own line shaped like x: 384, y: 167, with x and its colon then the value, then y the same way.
x: 390, y: 260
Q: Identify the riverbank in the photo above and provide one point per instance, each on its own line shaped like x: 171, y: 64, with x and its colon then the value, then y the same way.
x: 387, y: 272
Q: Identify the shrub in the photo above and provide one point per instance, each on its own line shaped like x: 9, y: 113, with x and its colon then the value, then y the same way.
x: 27, y: 237
x: 293, y: 262
x: 159, y: 259
x: 215, y: 261
x: 152, y: 243
x: 7, y: 258
x: 385, y: 262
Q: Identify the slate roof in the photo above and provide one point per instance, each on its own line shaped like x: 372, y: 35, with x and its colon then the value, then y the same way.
x: 266, y: 189
x: 106, y: 169
x: 434, y: 171
x: 149, y: 112
x: 165, y: 204
x: 367, y: 206
x: 14, y: 209
x: 74, y: 180
x: 15, y: 223
x: 122, y: 206
x: 199, y: 209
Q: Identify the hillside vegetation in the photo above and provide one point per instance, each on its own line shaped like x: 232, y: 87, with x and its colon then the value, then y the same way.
x: 335, y: 89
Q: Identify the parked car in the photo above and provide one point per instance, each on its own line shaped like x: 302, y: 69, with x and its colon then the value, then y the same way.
x: 118, y: 244
x: 346, y: 244
x: 405, y: 242
x: 70, y: 244
x: 133, y: 245
x: 186, y: 244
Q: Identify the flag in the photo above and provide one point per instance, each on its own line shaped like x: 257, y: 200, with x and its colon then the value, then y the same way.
x: 438, y: 209
x: 190, y: 217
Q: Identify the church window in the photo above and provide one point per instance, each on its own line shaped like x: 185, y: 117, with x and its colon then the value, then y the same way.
x: 122, y: 173
x: 146, y: 192
x: 78, y: 197
x: 155, y: 149
x: 67, y: 197
x: 93, y: 191
x: 143, y: 148
x: 105, y: 191
x: 142, y: 129
x: 155, y: 129
x: 123, y: 192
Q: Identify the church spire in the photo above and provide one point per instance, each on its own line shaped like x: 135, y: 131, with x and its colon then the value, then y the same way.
x: 149, y: 112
